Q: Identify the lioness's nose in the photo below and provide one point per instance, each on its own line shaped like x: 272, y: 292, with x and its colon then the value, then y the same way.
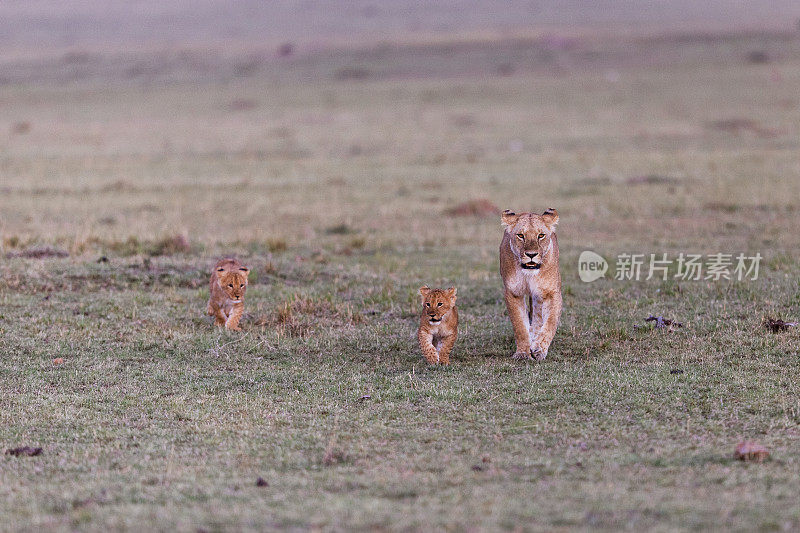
x: 531, y: 254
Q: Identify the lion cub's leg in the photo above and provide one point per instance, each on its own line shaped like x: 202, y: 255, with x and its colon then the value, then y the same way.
x: 233, y: 319
x: 427, y: 347
x: 445, y: 346
x: 551, y: 309
x: 217, y: 313
x: 520, y: 324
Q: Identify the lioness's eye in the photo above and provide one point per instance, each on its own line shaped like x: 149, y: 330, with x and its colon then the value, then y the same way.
x: 521, y: 236
x: 427, y: 304
x: 230, y: 285
x: 242, y: 285
x: 440, y: 304
x: 541, y: 235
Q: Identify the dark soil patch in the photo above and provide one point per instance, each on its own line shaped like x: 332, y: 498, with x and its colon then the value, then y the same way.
x: 776, y: 325
x: 737, y: 126
x: 44, y: 252
x: 24, y: 451
x: 652, y: 179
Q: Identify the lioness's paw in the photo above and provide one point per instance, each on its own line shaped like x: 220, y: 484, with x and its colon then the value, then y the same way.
x: 538, y: 354
x: 522, y: 355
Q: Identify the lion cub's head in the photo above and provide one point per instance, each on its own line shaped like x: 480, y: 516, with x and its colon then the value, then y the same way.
x: 531, y: 236
x: 232, y: 278
x: 437, y: 303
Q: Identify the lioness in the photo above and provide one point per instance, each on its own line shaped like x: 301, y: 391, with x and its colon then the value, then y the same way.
x: 529, y: 267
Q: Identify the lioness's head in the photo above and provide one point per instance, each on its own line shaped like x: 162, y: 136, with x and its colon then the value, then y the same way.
x: 437, y: 302
x: 233, y: 280
x: 531, y: 236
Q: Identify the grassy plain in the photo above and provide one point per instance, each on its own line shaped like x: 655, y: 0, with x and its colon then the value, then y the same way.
x: 331, y: 175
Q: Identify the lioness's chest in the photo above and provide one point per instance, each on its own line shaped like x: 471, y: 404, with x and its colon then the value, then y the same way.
x: 526, y: 282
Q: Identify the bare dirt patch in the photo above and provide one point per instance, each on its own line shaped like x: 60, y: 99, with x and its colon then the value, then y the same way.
x: 479, y: 207
x: 751, y: 451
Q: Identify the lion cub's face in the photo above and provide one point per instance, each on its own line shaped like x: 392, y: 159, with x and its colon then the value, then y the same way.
x: 233, y: 282
x: 437, y: 303
x: 531, y: 236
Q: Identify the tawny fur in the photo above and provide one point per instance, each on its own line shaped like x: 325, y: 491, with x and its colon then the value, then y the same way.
x: 438, y: 326
x: 529, y: 268
x: 228, y: 285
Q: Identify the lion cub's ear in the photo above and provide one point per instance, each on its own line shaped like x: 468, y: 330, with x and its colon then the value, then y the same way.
x: 509, y: 218
x: 550, y: 217
x: 424, y: 291
x: 451, y: 293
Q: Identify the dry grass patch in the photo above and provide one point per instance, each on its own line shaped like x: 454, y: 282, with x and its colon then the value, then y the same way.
x: 41, y: 252
x: 133, y: 246
x: 299, y: 316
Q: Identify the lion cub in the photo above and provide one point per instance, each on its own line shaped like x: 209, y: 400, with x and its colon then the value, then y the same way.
x: 228, y: 284
x: 438, y: 326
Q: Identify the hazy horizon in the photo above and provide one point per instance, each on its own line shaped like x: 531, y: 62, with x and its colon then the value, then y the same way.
x: 116, y: 23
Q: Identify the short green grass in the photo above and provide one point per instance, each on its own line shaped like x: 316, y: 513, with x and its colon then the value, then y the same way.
x: 334, y: 191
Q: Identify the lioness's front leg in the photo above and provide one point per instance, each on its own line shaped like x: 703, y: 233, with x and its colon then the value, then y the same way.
x: 520, y: 324
x: 551, y: 310
x: 535, y: 316
x: 234, y: 317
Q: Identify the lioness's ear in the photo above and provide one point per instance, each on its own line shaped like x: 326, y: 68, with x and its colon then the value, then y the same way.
x: 451, y: 292
x: 509, y: 218
x: 550, y: 217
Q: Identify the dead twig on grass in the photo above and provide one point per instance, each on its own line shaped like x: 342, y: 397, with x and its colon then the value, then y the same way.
x: 660, y: 323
